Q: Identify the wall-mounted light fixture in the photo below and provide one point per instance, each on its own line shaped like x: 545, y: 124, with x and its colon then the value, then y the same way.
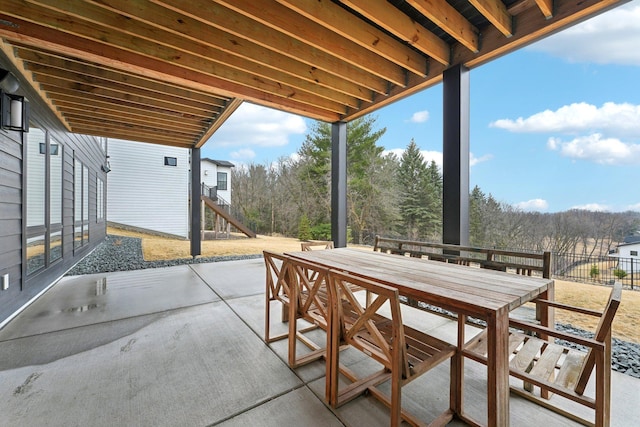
x: 106, y: 167
x: 14, y: 109
x: 15, y: 112
x: 8, y: 82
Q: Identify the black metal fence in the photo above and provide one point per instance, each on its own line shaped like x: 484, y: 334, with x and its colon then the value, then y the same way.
x: 596, y: 269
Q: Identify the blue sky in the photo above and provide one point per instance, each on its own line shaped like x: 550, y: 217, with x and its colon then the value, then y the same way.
x: 554, y: 126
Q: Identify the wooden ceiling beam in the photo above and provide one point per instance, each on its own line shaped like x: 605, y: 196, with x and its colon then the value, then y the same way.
x: 188, y: 123
x: 414, y: 86
x: 530, y: 26
x: 77, y: 115
x: 15, y: 28
x: 291, y: 24
x: 56, y: 84
x: 228, y: 111
x: 450, y: 20
x: 546, y: 7
x: 64, y: 99
x: 116, y: 30
x: 496, y: 12
x: 393, y: 20
x: 19, y: 64
x: 180, y: 95
x: 335, y: 18
x: 242, y: 28
x: 134, y: 136
x: 98, y: 123
x: 196, y: 31
x: 76, y: 108
x: 58, y: 78
x: 81, y: 126
x: 521, y: 5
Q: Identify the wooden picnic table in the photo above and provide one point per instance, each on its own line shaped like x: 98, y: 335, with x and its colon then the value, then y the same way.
x: 467, y: 291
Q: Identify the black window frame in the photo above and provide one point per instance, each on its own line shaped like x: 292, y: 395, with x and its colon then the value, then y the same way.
x: 225, y: 181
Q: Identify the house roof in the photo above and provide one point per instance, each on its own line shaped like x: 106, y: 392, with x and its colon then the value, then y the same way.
x: 172, y: 72
x: 223, y: 163
x: 631, y: 240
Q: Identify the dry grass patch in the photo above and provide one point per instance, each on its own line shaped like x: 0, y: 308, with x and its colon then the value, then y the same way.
x: 156, y: 248
x: 626, y: 324
x: 159, y: 249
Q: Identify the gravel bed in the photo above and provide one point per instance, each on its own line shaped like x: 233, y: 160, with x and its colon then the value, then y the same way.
x: 118, y: 253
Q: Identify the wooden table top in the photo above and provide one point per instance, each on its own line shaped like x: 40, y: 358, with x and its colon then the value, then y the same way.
x: 458, y: 288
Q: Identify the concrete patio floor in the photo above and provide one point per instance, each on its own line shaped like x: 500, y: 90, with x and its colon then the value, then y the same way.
x: 183, y: 346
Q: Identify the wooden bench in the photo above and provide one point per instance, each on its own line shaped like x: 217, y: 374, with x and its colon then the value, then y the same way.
x: 555, y: 368
x: 525, y: 263
x: 309, y: 245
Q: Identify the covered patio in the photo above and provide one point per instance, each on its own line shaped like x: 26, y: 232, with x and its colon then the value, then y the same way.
x: 172, y: 73
x: 184, y: 346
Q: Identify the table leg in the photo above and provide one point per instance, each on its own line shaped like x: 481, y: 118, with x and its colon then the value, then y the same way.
x: 498, y: 369
x: 457, y: 395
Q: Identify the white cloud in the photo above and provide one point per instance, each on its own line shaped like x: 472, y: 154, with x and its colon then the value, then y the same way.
x: 253, y: 125
x: 537, y: 205
x: 244, y: 154
x: 419, y: 117
x: 475, y: 160
x: 610, y: 38
x: 635, y: 207
x: 593, y: 207
x: 595, y: 148
x: 610, y: 118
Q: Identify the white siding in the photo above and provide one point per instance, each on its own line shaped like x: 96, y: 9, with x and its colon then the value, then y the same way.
x: 628, y: 262
x: 143, y: 192
x: 209, y: 175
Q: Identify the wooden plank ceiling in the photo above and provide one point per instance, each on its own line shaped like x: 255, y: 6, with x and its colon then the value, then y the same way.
x: 171, y: 72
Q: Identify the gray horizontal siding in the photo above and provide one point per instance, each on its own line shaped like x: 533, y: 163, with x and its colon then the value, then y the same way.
x: 12, y: 215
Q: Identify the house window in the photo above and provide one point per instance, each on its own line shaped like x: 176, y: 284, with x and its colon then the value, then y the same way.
x: 99, y: 200
x: 81, y: 204
x: 53, y: 149
x: 36, y: 199
x: 170, y: 161
x: 634, y: 253
x: 56, y: 201
x: 222, y: 180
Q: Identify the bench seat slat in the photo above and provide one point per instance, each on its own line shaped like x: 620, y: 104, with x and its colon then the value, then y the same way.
x: 527, y: 355
x: 545, y: 368
x: 571, y: 369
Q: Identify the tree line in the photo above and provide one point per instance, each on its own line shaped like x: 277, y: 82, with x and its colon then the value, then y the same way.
x: 401, y: 196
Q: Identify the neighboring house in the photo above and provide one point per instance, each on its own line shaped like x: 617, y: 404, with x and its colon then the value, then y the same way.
x: 217, y: 174
x: 628, y: 253
x: 148, y: 186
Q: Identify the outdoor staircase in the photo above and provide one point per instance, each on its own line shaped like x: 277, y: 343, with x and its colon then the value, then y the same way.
x: 221, y: 207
